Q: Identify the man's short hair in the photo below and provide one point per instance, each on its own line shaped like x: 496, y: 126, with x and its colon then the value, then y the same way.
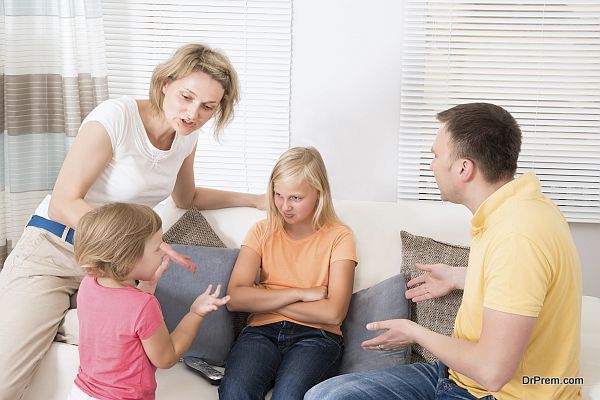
x: 486, y: 134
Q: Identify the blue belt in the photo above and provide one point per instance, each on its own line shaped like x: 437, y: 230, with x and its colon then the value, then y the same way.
x: 62, y: 231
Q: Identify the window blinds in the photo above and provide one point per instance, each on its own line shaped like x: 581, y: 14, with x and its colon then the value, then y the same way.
x: 255, y: 35
x: 538, y: 59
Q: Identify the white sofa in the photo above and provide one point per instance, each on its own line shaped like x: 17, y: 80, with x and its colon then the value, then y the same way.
x: 377, y: 229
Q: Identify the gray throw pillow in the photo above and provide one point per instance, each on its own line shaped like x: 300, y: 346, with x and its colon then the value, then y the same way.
x: 383, y: 301
x: 436, y: 314
x: 194, y: 230
x: 178, y: 288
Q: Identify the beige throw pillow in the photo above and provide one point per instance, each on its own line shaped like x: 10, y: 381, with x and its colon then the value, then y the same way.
x: 192, y: 229
x: 435, y: 314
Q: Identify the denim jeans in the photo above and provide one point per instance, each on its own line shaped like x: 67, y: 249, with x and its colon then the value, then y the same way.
x: 419, y: 381
x: 288, y: 357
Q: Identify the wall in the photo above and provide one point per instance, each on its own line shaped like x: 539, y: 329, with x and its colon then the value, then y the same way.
x: 346, y: 98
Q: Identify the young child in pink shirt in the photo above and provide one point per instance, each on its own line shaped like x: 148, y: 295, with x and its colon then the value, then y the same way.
x: 122, y: 335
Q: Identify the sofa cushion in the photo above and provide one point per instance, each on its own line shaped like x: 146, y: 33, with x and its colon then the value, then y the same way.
x: 178, y: 288
x: 384, y: 301
x: 436, y: 314
x: 192, y: 229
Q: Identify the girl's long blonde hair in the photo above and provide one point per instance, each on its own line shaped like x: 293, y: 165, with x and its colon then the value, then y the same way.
x: 302, y: 163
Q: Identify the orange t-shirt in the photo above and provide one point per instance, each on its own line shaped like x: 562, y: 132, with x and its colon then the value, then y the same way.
x: 304, y: 263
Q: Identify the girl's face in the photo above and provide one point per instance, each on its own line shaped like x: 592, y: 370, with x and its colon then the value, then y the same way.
x: 296, y: 201
x: 146, y: 266
x: 191, y: 101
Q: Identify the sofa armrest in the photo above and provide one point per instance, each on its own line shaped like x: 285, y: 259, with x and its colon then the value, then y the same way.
x: 590, y: 347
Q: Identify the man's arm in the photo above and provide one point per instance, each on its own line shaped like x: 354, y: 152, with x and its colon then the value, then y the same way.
x: 503, y: 341
x: 436, y: 281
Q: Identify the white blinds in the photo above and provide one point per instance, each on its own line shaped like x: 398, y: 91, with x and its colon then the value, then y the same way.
x: 255, y: 35
x: 538, y: 59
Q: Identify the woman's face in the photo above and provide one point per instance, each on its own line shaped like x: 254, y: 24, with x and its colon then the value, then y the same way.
x: 191, y: 101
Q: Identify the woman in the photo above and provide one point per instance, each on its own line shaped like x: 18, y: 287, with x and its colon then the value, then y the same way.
x: 137, y: 151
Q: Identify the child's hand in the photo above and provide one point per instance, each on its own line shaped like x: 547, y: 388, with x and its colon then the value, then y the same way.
x: 207, y: 302
x: 314, y: 294
x: 150, y: 286
x: 181, y: 259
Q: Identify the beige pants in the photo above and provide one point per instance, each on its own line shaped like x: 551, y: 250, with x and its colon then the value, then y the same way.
x: 36, y: 283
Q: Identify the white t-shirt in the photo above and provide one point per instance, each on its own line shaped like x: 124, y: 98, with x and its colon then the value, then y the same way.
x: 138, y: 172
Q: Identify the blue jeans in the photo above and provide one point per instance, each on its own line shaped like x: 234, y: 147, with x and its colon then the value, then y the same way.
x: 287, y: 357
x: 402, y: 382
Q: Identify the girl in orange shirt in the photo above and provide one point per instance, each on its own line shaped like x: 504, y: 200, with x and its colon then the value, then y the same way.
x: 305, y: 259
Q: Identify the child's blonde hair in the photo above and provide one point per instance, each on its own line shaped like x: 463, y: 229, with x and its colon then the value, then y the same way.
x: 198, y: 57
x: 109, y: 240
x: 307, y: 164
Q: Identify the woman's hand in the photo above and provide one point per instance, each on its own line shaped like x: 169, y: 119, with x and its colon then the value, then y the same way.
x: 398, y: 333
x: 438, y: 280
x: 261, y: 202
x: 208, y: 302
x: 181, y: 259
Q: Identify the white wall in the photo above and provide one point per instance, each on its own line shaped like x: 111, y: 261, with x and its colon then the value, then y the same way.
x: 346, y: 92
x: 346, y: 101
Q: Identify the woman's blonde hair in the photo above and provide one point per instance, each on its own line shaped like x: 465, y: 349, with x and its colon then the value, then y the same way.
x: 111, y: 239
x: 198, y: 57
x: 307, y: 164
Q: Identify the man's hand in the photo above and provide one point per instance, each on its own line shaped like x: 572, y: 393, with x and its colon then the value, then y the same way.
x: 397, y: 333
x: 181, y: 259
x: 438, y: 280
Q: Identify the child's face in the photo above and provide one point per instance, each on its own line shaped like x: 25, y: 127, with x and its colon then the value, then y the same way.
x: 147, y: 265
x: 296, y: 201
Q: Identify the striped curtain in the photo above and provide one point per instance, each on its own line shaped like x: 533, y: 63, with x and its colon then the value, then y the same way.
x: 52, y: 73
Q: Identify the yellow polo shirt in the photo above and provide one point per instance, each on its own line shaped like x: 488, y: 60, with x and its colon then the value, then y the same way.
x: 523, y: 261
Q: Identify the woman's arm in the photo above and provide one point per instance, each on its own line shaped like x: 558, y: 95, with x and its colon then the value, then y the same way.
x: 90, y: 153
x: 186, y: 194
x: 245, y: 296
x: 331, y: 310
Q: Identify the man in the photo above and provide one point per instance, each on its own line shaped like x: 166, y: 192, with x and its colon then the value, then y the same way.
x: 520, y: 314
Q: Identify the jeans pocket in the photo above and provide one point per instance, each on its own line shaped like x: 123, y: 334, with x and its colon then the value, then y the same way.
x: 448, y: 389
x: 337, y: 339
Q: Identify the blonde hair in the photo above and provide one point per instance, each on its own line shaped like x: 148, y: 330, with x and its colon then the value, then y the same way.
x: 307, y: 164
x: 198, y: 57
x: 111, y: 239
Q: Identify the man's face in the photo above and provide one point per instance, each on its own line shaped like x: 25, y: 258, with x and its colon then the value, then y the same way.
x: 444, y: 165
